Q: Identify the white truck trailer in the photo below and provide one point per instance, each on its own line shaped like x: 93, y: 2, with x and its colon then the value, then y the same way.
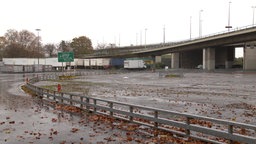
x: 86, y: 63
x: 100, y: 63
x: 134, y: 64
x: 77, y: 63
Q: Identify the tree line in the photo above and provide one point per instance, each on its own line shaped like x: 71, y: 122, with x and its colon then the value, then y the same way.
x: 25, y: 44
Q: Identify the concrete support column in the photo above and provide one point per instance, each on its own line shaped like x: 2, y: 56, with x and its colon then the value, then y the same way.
x: 175, y: 60
x: 154, y: 63
x: 250, y: 57
x: 204, y: 59
x: 230, y: 58
x: 158, y: 59
x: 209, y: 58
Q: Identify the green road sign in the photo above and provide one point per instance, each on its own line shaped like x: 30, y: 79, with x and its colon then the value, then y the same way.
x: 65, y: 56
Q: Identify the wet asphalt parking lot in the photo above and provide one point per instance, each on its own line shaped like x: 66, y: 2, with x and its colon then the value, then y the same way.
x: 224, y: 95
x: 25, y: 119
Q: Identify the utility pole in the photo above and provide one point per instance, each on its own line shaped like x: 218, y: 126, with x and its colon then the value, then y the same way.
x: 190, y: 27
x: 164, y: 35
x: 38, y: 30
x: 145, y: 37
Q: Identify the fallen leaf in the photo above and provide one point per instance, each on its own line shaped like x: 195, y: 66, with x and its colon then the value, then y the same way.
x: 74, y: 130
x: 12, y: 122
x: 55, y: 132
x: 54, y: 120
x: 129, y: 138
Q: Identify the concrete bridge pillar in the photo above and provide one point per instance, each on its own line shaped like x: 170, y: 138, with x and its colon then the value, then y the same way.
x: 208, y: 58
x: 224, y: 57
x: 175, y: 60
x: 153, y: 68
x: 250, y: 56
x: 230, y: 57
x: 158, y: 59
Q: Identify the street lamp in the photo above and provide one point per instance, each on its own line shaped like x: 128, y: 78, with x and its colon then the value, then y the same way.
x: 164, y: 35
x: 145, y: 37
x: 38, y: 30
x: 228, y: 26
x: 119, y: 39
x: 136, y: 39
x: 253, y: 8
x: 200, y: 23
x: 141, y: 37
x: 190, y: 27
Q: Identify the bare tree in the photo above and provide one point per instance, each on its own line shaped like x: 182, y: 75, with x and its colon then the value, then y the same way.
x: 11, y: 36
x: 64, y: 46
x: 27, y: 39
x: 16, y: 50
x: 101, y: 46
x: 50, y: 50
x: 23, y: 41
x: 2, y: 46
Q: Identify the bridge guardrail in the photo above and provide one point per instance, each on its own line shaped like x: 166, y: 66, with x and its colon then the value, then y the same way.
x: 198, y: 127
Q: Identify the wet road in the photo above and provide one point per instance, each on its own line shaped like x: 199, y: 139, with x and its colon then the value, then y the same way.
x: 24, y: 119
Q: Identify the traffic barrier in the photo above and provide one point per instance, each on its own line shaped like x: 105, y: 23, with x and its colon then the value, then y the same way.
x: 188, y: 125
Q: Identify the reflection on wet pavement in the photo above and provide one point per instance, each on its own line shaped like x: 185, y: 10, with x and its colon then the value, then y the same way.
x: 24, y: 119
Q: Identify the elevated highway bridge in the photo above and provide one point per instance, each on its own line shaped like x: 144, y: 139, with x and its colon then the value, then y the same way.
x: 209, y: 51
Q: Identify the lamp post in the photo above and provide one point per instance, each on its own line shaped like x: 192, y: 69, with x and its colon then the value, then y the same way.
x: 200, y: 23
x: 141, y: 37
x: 229, y: 26
x: 190, y: 27
x: 119, y: 39
x: 145, y: 37
x: 253, y: 8
x: 38, y: 30
x: 136, y: 39
x: 164, y: 35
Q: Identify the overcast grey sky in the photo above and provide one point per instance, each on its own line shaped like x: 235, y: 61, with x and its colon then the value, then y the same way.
x: 110, y: 20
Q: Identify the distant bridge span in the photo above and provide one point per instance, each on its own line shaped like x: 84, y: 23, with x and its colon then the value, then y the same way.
x: 244, y: 37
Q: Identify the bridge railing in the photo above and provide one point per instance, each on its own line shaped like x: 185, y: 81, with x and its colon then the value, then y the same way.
x: 188, y: 125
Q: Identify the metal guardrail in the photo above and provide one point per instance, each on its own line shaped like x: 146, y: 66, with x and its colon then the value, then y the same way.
x: 198, y: 127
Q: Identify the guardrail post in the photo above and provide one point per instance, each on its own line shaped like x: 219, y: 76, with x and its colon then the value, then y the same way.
x: 71, y: 98
x: 81, y: 100
x: 39, y: 92
x: 61, y: 97
x: 95, y: 103
x: 230, y: 131
x: 187, y: 131
x: 87, y: 104
x: 156, y: 117
x: 111, y: 107
x: 47, y: 93
x: 36, y: 88
x: 54, y: 94
x: 42, y: 92
x: 131, y: 111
